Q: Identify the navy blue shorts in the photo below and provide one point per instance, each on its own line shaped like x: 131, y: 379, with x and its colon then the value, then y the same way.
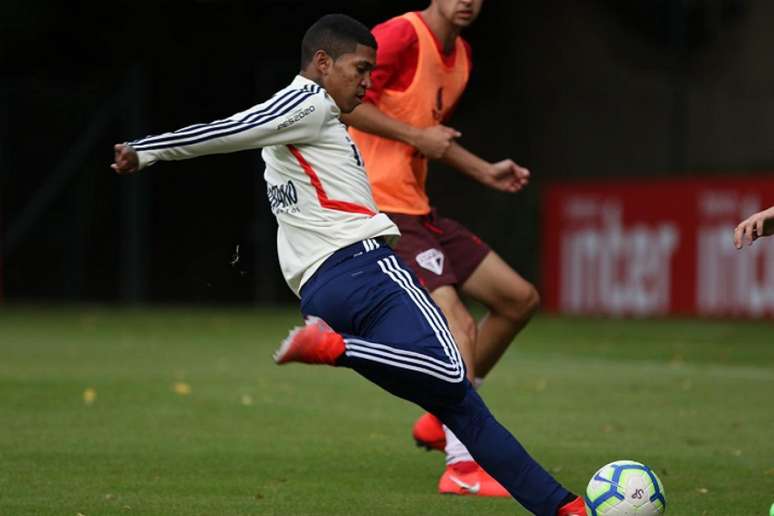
x: 395, y: 334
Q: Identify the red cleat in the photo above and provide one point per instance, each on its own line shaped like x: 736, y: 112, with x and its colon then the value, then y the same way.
x: 574, y: 508
x: 468, y: 478
x: 428, y: 432
x: 314, y: 343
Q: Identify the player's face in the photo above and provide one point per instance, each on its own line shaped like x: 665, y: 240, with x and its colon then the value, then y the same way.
x: 349, y: 76
x: 459, y: 13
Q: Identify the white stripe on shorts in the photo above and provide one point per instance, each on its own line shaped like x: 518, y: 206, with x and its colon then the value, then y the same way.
x: 453, y: 371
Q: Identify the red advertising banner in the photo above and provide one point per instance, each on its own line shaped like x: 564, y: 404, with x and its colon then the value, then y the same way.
x: 656, y: 247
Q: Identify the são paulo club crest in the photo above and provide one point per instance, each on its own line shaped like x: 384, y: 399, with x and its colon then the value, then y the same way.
x: 432, y: 260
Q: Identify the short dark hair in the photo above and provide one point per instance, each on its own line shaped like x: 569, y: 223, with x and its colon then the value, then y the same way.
x: 337, y: 34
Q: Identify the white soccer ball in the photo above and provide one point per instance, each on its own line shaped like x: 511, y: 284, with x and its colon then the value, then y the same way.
x: 625, y: 488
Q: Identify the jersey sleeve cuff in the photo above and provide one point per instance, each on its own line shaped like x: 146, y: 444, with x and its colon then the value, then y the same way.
x: 145, y: 159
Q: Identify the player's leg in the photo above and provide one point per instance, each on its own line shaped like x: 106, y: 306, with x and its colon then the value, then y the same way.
x: 461, y: 469
x: 421, y: 246
x: 401, y: 342
x: 511, y: 301
x: 467, y: 261
x: 501, y: 454
x: 492, y: 445
x: 483, y: 275
x: 428, y: 431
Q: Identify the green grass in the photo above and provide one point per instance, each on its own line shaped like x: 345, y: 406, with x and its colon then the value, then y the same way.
x: 693, y: 399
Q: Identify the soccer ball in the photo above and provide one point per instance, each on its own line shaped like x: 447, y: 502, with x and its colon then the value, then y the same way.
x: 624, y: 488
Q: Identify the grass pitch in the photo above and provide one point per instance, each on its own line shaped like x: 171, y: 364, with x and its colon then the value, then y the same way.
x: 175, y: 411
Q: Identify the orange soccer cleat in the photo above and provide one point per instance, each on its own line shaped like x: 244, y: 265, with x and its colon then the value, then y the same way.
x: 314, y: 343
x: 574, y: 508
x: 428, y: 432
x: 468, y: 478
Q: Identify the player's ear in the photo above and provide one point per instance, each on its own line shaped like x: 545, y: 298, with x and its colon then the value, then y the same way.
x: 322, y: 61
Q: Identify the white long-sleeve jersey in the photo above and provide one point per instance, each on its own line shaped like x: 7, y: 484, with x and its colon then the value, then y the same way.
x: 317, y: 186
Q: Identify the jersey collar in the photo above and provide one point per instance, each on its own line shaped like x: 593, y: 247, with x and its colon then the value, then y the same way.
x: 300, y: 81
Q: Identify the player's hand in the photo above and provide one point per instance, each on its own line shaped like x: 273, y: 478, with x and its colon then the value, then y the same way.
x: 434, y: 141
x: 507, y: 176
x: 754, y: 227
x: 126, y: 160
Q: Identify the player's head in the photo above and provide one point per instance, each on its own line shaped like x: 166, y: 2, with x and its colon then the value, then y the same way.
x: 339, y: 52
x: 459, y: 13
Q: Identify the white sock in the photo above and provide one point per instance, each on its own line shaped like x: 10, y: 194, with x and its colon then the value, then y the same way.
x: 455, y: 450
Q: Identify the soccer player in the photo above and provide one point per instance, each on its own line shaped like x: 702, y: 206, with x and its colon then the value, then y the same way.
x: 364, y: 308
x: 758, y: 225
x: 422, y: 67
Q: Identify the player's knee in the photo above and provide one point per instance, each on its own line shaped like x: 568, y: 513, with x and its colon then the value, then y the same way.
x: 521, y: 303
x: 531, y: 300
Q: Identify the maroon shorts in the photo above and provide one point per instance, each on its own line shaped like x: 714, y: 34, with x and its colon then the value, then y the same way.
x: 441, y: 251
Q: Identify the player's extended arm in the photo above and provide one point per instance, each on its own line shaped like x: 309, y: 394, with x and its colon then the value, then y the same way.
x: 259, y: 126
x: 756, y: 226
x: 432, y: 141
x: 503, y: 175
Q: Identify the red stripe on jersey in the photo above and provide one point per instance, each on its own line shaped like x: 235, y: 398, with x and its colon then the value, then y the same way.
x: 325, y: 202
